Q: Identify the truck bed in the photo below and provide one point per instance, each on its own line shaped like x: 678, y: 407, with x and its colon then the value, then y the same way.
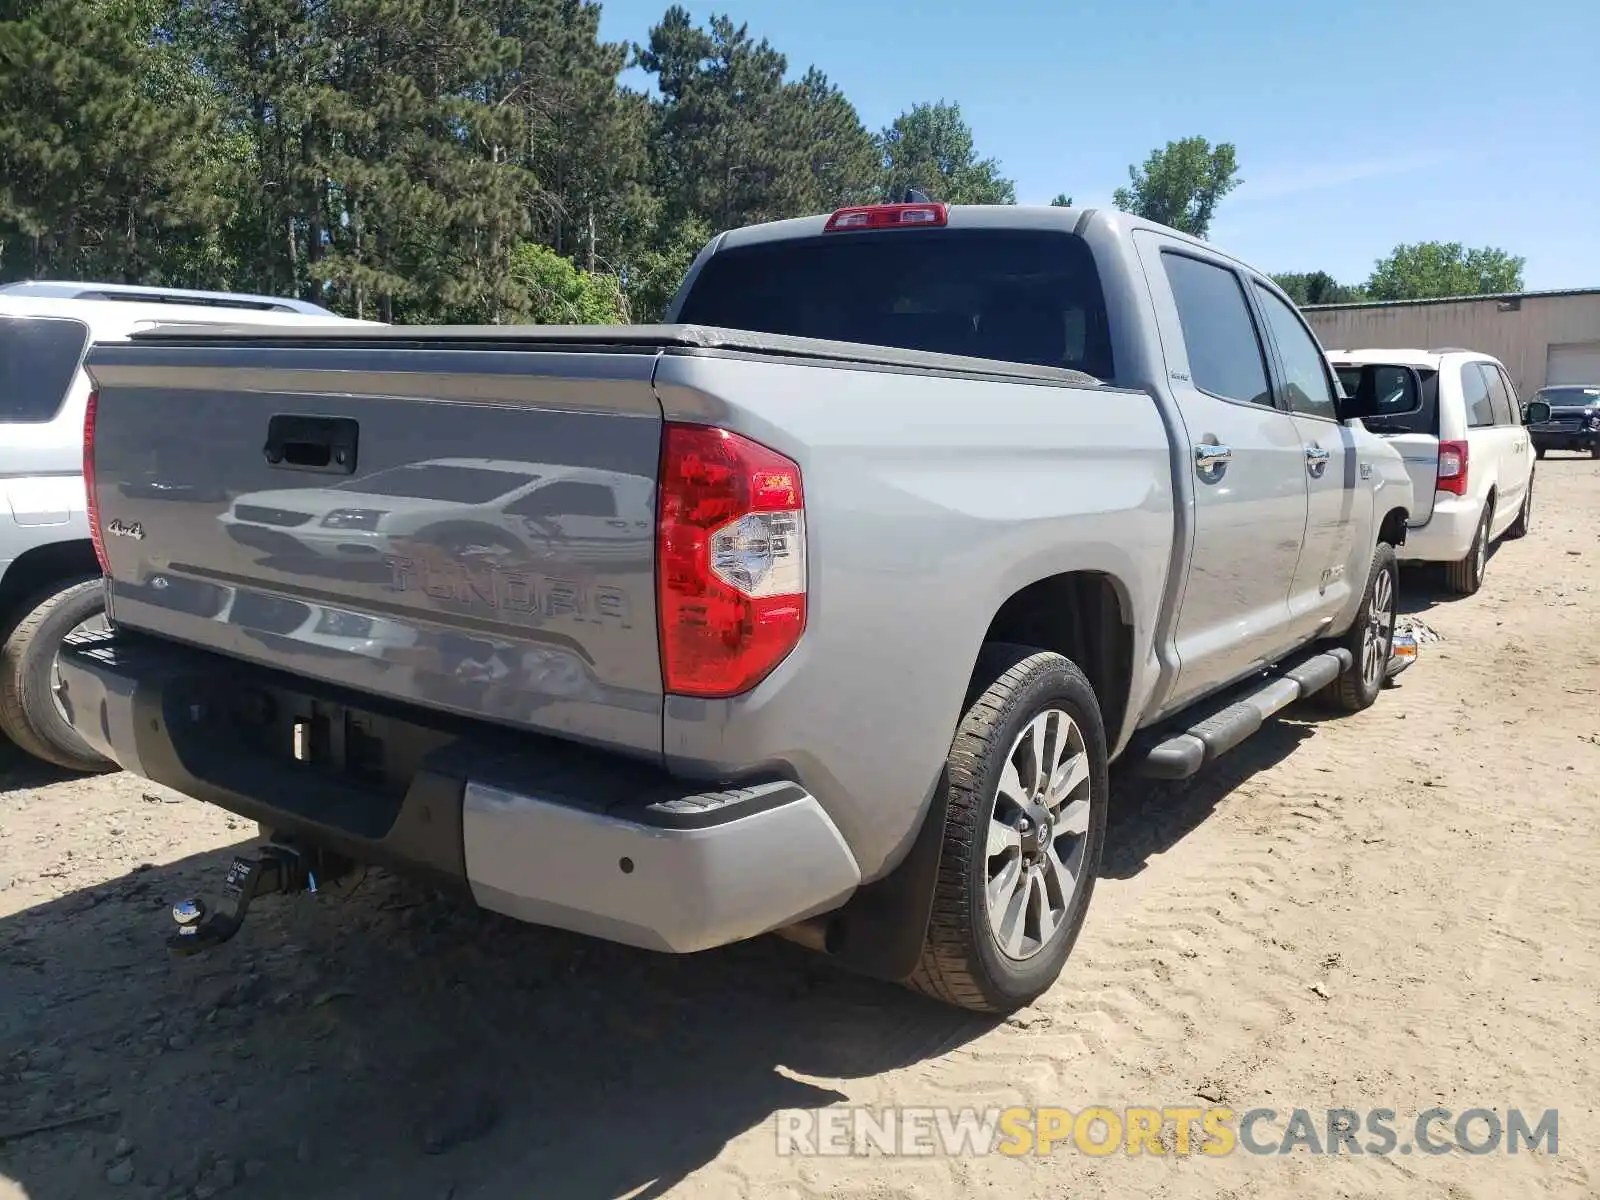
x: 460, y: 518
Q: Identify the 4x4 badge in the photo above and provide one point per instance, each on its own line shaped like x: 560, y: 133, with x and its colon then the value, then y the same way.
x: 123, y: 529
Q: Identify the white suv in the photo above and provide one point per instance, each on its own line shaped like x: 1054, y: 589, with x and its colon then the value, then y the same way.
x: 1466, y: 449
x: 49, y: 577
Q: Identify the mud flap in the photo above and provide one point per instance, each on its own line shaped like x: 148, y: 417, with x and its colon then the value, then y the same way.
x: 880, y: 931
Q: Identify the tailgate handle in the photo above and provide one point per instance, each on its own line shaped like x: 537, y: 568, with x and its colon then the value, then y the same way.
x: 326, y: 445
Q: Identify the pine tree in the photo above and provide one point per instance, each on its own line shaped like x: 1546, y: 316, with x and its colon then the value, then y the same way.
x: 105, y: 165
x: 931, y: 148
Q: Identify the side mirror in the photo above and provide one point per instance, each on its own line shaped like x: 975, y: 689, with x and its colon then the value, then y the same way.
x: 1383, y: 390
x: 1535, y: 412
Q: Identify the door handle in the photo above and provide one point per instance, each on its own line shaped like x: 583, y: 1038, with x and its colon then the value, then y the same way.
x: 1208, y: 455
x: 1317, y: 461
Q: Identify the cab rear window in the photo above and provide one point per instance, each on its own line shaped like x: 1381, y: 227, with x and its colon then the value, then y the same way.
x: 1014, y: 295
x: 39, y: 358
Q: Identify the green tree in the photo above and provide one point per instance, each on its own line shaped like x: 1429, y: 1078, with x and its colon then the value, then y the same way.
x: 555, y: 292
x: 733, y: 142
x: 582, y: 140
x: 1428, y: 270
x: 106, y: 160
x: 1181, y: 184
x: 653, y: 276
x: 1062, y: 200
x: 931, y: 148
x: 1316, y: 287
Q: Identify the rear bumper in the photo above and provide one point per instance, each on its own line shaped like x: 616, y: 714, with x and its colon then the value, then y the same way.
x: 540, y: 830
x: 1448, y: 534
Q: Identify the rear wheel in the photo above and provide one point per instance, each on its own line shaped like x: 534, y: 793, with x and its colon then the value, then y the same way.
x: 1024, y: 830
x: 1594, y: 449
x: 1539, y: 451
x: 1371, y: 639
x: 32, y: 713
x: 1466, y: 577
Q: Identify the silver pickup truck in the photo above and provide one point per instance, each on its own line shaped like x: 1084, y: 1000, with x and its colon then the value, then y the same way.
x: 822, y: 609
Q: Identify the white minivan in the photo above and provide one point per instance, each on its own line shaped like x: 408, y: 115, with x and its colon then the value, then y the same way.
x: 1460, y: 428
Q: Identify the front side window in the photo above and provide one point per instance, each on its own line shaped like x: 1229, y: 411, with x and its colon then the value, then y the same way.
x: 566, y: 498
x: 1218, y: 332
x: 1305, y: 373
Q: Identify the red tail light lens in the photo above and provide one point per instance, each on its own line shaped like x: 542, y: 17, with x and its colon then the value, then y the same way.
x: 1453, y: 468
x: 730, y: 561
x: 888, y: 216
x: 90, y: 411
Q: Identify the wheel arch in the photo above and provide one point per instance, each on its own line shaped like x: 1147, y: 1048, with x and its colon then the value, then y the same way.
x: 1085, y: 616
x: 1393, y: 525
x: 40, y: 566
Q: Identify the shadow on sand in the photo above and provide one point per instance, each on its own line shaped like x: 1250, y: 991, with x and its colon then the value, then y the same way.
x: 391, y: 1043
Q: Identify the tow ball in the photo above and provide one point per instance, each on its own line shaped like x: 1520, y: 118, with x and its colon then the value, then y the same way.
x: 274, y: 869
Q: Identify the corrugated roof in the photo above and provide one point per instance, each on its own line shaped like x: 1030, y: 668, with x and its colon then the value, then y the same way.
x: 1590, y: 291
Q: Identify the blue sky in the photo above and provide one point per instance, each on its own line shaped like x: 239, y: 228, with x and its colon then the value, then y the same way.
x: 1359, y: 124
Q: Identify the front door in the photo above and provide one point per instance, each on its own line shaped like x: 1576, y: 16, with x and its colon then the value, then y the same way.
x: 1248, y: 468
x: 1329, y: 568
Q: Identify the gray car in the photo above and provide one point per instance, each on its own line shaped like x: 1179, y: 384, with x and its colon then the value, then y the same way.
x: 949, y: 508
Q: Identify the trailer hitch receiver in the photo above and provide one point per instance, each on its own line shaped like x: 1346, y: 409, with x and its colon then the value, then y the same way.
x: 275, y: 868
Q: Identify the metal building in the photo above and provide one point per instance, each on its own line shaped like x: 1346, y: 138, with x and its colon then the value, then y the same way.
x: 1541, y: 337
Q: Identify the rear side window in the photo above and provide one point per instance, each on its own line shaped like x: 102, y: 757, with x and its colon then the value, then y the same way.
x: 1013, y: 295
x: 1475, y: 393
x: 1305, y: 370
x: 1224, y: 351
x: 1505, y: 409
x: 38, y: 361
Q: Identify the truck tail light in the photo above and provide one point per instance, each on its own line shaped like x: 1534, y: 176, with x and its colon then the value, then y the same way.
x: 730, y: 561
x: 1453, y: 468
x: 90, y: 411
x: 888, y: 216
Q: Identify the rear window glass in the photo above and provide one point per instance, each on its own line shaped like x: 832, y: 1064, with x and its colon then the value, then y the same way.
x: 1424, y: 420
x: 38, y: 362
x: 1013, y: 295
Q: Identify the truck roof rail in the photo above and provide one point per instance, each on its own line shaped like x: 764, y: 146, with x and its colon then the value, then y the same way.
x: 71, y: 290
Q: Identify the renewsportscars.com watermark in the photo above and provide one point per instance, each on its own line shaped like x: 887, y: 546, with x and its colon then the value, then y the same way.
x: 1101, y: 1131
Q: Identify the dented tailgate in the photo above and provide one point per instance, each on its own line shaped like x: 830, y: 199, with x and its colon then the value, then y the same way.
x: 470, y: 530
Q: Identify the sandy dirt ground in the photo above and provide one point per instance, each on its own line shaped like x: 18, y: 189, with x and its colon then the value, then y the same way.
x: 1396, y: 910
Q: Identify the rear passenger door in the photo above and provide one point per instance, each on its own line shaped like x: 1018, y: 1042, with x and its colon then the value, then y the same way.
x: 1247, y: 465
x: 1329, y: 567
x: 1489, y: 453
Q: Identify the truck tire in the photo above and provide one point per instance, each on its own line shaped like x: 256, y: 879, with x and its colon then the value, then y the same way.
x: 1519, y: 527
x: 1370, y: 639
x: 1539, y: 451
x: 1021, y: 846
x: 29, y: 711
x: 1464, y: 578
